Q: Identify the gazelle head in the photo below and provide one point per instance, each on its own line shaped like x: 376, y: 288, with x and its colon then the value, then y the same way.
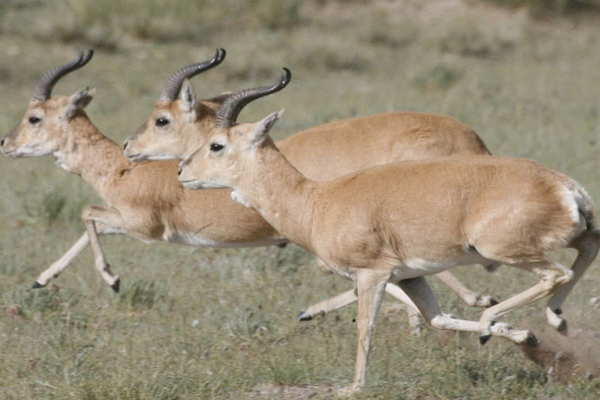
x: 230, y: 147
x: 43, y: 129
x: 179, y: 121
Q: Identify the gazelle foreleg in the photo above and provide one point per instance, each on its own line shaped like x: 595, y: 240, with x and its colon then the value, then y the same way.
x: 346, y: 298
x: 349, y: 297
x: 468, y: 296
x: 370, y: 286
x: 324, y: 307
x: 587, y: 246
x: 112, y: 220
x: 62, y: 263
x: 66, y: 259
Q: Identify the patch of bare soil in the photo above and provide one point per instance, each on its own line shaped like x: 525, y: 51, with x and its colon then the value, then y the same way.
x: 566, y: 357
x: 289, y: 392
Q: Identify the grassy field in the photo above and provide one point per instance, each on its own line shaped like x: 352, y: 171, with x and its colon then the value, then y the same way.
x: 204, y: 323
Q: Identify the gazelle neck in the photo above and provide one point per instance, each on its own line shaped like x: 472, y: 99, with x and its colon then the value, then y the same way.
x: 88, y: 153
x: 280, y: 193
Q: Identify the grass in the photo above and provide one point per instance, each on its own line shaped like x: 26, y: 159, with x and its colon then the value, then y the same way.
x: 204, y: 323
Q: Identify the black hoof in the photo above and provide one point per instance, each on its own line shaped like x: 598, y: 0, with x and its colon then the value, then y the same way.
x: 483, y: 339
x: 491, y: 267
x: 116, y: 286
x: 303, y: 316
x: 36, y: 285
x: 532, y: 341
x: 562, y: 328
x: 493, y: 302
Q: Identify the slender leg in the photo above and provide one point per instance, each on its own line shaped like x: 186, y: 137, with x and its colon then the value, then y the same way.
x: 587, y: 247
x: 112, y: 219
x: 468, y: 296
x: 66, y: 259
x: 63, y: 262
x: 350, y: 297
x: 553, y: 276
x: 371, y: 286
x: 324, y: 307
x: 344, y: 299
x: 414, y: 316
x: 420, y: 292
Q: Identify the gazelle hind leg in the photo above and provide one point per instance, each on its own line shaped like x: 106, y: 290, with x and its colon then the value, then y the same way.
x: 587, y: 246
x: 553, y: 276
x: 420, y: 292
x: 371, y: 286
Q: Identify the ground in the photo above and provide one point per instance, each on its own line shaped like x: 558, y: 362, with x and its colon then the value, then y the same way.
x: 205, y: 323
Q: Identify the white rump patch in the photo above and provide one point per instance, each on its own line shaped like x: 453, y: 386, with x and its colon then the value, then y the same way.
x: 571, y: 201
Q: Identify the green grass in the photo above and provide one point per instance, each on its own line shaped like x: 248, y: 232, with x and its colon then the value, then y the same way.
x: 204, y: 323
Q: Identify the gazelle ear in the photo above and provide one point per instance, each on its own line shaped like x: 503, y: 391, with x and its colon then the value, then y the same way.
x: 261, y: 129
x: 188, y: 97
x: 79, y: 101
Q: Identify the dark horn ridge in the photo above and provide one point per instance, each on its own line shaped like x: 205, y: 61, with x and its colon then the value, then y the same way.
x: 233, y: 105
x: 44, y: 86
x: 175, y: 81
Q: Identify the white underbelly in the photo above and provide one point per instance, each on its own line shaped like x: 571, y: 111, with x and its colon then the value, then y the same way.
x: 416, y: 267
x: 191, y: 239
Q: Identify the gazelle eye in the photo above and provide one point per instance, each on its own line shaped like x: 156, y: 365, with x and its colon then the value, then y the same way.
x: 216, y: 147
x: 34, y: 120
x: 162, y: 122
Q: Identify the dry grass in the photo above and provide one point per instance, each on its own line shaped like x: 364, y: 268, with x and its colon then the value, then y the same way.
x: 204, y: 323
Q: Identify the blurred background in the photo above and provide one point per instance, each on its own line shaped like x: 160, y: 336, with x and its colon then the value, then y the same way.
x: 206, y: 323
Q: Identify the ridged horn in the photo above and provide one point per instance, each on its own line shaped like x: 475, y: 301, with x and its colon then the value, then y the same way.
x: 233, y: 105
x: 43, y: 89
x: 175, y: 81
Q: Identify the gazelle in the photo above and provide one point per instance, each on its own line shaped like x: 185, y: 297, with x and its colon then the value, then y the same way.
x: 179, y: 123
x: 144, y: 200
x: 401, y: 222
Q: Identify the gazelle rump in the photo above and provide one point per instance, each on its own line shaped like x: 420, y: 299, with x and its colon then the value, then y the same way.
x: 179, y: 123
x: 401, y: 222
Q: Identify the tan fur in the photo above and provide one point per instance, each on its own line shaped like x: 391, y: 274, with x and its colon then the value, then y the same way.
x: 403, y: 221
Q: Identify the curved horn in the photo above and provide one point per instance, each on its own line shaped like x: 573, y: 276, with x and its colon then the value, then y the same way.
x: 173, y: 86
x: 229, y: 111
x: 44, y: 86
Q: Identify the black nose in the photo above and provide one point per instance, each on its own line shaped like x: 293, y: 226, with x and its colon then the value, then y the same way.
x: 179, y: 171
x: 125, y: 145
x: 2, y: 143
